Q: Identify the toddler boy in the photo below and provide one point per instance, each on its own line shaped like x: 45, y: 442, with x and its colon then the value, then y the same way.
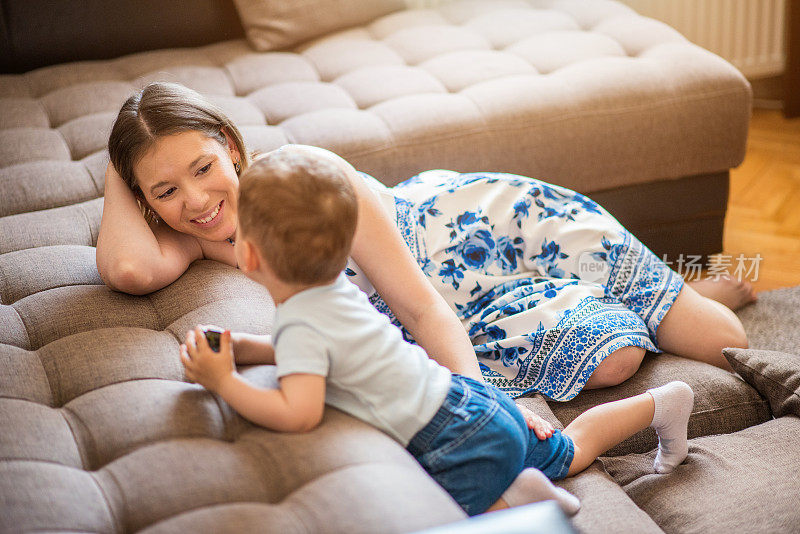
x: 297, y: 218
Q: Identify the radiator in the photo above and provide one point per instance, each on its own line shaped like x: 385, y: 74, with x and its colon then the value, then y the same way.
x: 748, y: 33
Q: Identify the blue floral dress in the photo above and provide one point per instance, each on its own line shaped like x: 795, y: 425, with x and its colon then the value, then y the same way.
x: 545, y: 281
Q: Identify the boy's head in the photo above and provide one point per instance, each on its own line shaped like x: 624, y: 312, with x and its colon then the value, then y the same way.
x: 300, y: 212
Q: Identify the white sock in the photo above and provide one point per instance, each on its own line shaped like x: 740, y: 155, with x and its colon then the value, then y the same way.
x: 674, y: 402
x: 531, y: 485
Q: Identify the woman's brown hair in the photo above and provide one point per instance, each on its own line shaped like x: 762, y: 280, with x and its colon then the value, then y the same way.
x: 159, y: 110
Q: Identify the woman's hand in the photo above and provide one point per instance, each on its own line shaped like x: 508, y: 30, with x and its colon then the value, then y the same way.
x: 203, y: 365
x: 133, y: 256
x: 541, y: 428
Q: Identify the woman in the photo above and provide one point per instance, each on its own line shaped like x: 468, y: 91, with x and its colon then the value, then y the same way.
x: 555, y: 294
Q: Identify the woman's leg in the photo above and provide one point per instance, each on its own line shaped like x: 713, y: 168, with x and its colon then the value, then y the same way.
x: 697, y: 324
x: 558, y: 336
x: 698, y: 328
x: 695, y: 327
x: 617, y: 367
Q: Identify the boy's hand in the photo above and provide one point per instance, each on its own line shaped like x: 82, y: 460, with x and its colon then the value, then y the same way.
x: 204, y: 327
x: 203, y: 365
x: 541, y: 428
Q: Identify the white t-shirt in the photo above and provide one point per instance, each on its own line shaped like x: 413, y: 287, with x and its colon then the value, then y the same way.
x: 372, y: 373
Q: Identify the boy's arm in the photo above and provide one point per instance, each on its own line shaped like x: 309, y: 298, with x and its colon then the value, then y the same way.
x: 296, y: 406
x: 251, y: 349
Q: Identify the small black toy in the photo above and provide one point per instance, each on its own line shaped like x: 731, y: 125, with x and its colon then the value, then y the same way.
x: 213, y: 336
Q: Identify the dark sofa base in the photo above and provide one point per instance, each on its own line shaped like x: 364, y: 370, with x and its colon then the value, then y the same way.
x: 677, y: 217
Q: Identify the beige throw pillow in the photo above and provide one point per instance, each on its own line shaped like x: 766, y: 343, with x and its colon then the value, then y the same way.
x: 277, y: 24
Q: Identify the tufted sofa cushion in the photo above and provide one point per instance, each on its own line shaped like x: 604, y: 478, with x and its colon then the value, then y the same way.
x: 101, y: 432
x: 746, y: 480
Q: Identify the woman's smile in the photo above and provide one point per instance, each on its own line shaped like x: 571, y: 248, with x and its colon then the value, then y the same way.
x: 213, y: 218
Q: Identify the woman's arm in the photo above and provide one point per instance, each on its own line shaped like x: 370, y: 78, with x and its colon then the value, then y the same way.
x: 135, y: 257
x: 382, y: 254
x: 379, y: 249
x: 384, y: 257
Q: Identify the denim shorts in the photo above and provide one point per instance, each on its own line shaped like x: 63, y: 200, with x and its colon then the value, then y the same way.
x: 478, y: 442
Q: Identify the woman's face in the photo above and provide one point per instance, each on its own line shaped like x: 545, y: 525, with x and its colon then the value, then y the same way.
x: 188, y: 179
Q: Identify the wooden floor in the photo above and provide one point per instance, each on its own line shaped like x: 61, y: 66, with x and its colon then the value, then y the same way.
x: 764, y: 205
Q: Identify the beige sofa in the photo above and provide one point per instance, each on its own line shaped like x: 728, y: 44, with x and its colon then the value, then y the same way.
x: 99, y: 430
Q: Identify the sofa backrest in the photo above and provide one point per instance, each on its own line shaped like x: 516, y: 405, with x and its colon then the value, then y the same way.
x: 36, y: 33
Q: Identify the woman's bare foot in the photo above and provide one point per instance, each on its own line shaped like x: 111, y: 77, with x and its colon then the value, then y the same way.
x: 729, y: 291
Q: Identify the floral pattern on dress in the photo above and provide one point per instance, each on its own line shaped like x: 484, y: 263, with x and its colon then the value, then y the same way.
x: 508, y: 254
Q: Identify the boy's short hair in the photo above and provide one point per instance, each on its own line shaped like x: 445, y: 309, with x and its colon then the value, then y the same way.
x: 300, y: 211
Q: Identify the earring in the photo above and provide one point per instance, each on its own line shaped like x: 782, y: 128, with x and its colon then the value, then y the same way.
x: 237, y: 167
x: 148, y: 212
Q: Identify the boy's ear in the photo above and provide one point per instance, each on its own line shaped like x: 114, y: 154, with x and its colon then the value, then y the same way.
x: 252, y: 262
